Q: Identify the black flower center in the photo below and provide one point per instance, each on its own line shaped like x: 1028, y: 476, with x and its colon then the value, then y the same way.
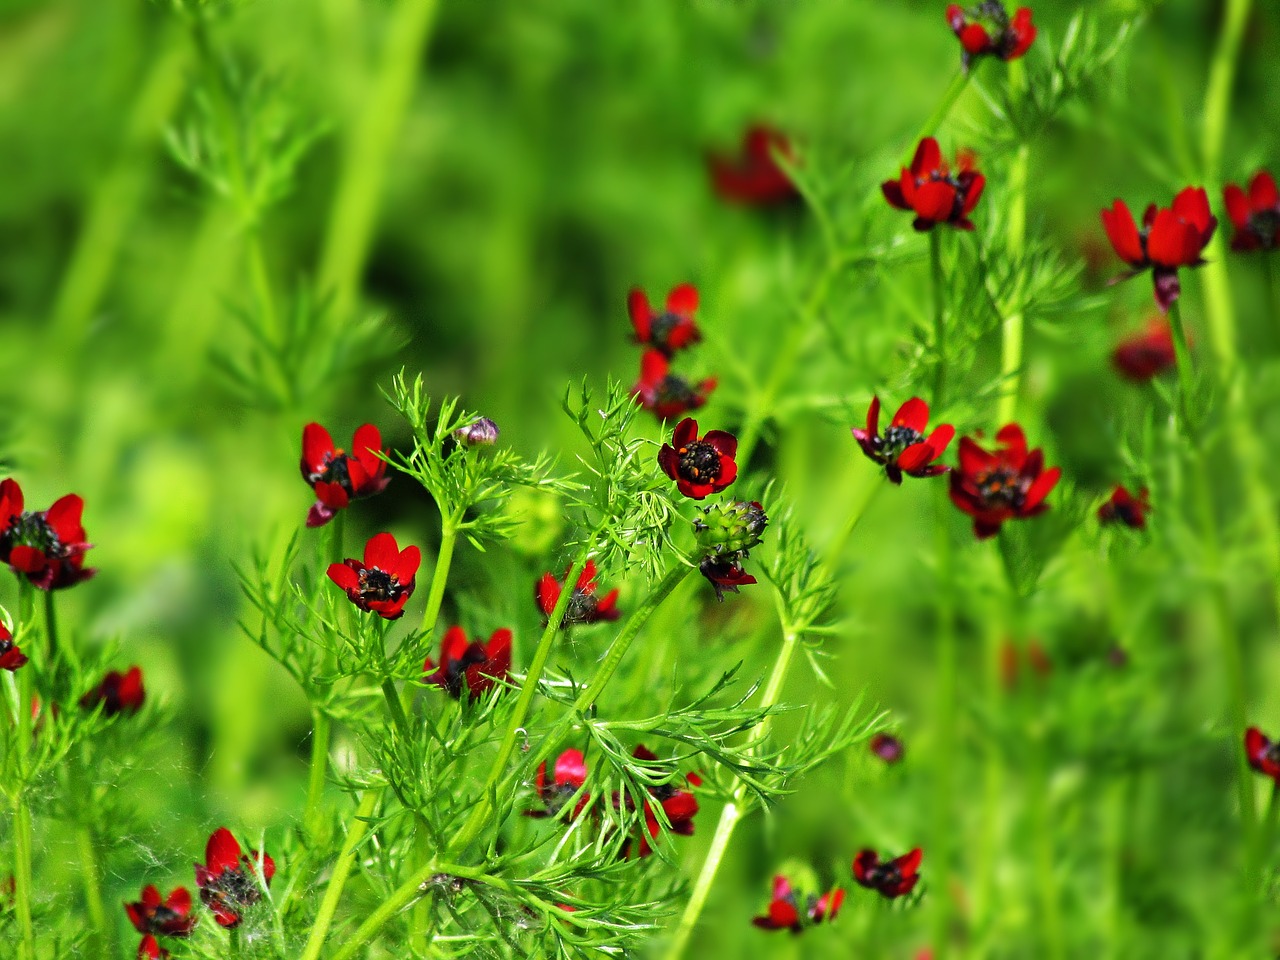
x: 674, y: 389
x: 233, y: 887
x: 456, y: 670
x: 582, y: 608
x: 377, y: 584
x: 1001, y: 486
x: 885, y: 875
x: 994, y: 13
x: 699, y: 461
x: 897, y: 439
x: 660, y: 327
x: 1265, y: 225
x: 33, y: 530
x: 1272, y: 753
x: 335, y: 470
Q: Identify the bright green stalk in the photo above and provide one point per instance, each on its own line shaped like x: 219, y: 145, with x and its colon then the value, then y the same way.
x: 356, y: 833
x: 1222, y: 72
x: 944, y: 745
x: 1012, y: 328
x: 1186, y: 378
x: 22, y: 854
x: 91, y: 871
x: 448, y: 540
x: 939, y: 317
x: 321, y: 726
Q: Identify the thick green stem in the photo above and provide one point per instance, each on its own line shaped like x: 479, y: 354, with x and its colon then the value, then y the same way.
x: 1222, y: 72
x: 22, y: 883
x: 91, y: 872
x: 51, y: 628
x: 448, y: 539
x: 1012, y: 327
x: 356, y: 833
x: 938, y: 284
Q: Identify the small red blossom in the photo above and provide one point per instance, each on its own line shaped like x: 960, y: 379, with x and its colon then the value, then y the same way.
x: 337, y: 477
x: 117, y: 693
x: 475, y: 666
x: 893, y: 878
x: 1007, y: 483
x: 1170, y: 238
x: 1124, y: 507
x: 887, y: 747
x: 784, y: 911
x: 171, y: 917
x: 680, y: 806
x: 904, y: 447
x: 1262, y: 753
x: 229, y: 880
x: 584, y: 606
x: 699, y: 465
x: 385, y: 581
x: 149, y: 949
x: 45, y: 546
x: 566, y: 779
x: 724, y: 572
x: 669, y: 331
x: 1144, y: 355
x: 935, y: 195
x: 668, y: 394
x: 755, y: 178
x: 11, y: 658
x: 1008, y: 37
x: 1255, y: 215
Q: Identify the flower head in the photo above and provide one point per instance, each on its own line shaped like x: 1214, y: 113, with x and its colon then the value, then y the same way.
x: 11, y: 658
x: 725, y: 572
x: 1125, y: 508
x: 987, y: 29
x: 1170, y: 238
x: 1262, y: 753
x: 45, y: 546
x: 385, y: 581
x: 669, y: 331
x: 668, y: 394
x: 584, y: 605
x: 755, y: 178
x: 474, y: 666
x: 932, y: 192
x: 904, y: 447
x: 1143, y: 355
x: 117, y: 693
x: 1255, y: 215
x: 481, y: 432
x: 170, y: 917
x: 678, y: 805
x: 1002, y: 484
x: 566, y: 779
x: 230, y: 881
x: 337, y: 477
x: 730, y: 527
x: 893, y: 878
x: 788, y: 909
x: 887, y: 747
x: 699, y: 465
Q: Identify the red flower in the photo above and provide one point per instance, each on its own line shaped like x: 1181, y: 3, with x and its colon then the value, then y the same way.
x: 47, y: 546
x: 930, y: 191
x: 754, y: 178
x: 699, y: 465
x: 1007, y: 483
x: 1124, y: 507
x: 569, y: 775
x: 149, y: 949
x: 171, y: 917
x: 117, y: 693
x: 725, y: 572
x: 668, y: 394
x: 475, y: 665
x: 385, y: 581
x: 584, y: 605
x: 1255, y: 216
x: 1145, y: 354
x: 337, y: 477
x: 229, y: 880
x: 1263, y: 754
x: 887, y: 747
x: 11, y: 658
x: 904, y: 447
x: 784, y: 908
x: 1169, y: 239
x: 1008, y: 38
x: 680, y: 806
x: 672, y: 330
x: 893, y: 878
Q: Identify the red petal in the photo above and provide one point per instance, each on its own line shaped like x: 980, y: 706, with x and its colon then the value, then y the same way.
x: 892, y: 191
x: 27, y: 559
x: 1238, y: 206
x: 927, y: 159
x: 685, y: 433
x: 344, y: 575
x: 64, y: 518
x: 1123, y: 234
x: 406, y: 565
x: 498, y: 654
x: 332, y: 495
x: 669, y: 461
x: 179, y: 901
x: 940, y: 439
x: 973, y: 194
x: 584, y: 579
x: 783, y: 914
x: 935, y: 200
x: 909, y: 863
x: 1170, y: 242
x: 725, y: 444
x: 453, y: 646
x: 571, y: 768
x: 1192, y: 206
x: 316, y: 445
x: 913, y: 414
x: 1042, y: 487
x: 1255, y: 744
x: 366, y: 445
x: 728, y: 473
x: 382, y: 552
x: 653, y: 368
x: 683, y: 300
x: 641, y: 313
x: 973, y: 458
x: 222, y: 852
x: 1263, y: 193
x: 915, y: 457
x: 547, y: 593
x: 974, y: 39
x: 11, y: 502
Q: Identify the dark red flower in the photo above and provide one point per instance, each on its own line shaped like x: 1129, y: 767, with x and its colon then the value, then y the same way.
x: 754, y: 178
x: 149, y: 949
x: 385, y: 581
x: 11, y: 658
x: 117, y: 693
x: 668, y: 394
x: 1262, y: 753
x: 932, y: 192
x: 171, y: 917
x: 671, y: 330
x: 1007, y: 483
x: 1170, y: 238
x: 699, y: 465
x: 904, y: 447
x: 893, y: 878
x: 1143, y: 355
x: 1124, y: 507
x: 887, y: 747
x: 679, y: 806
x: 567, y: 778
x: 725, y: 572
x: 229, y: 880
x: 1008, y: 38
x: 338, y: 477
x: 784, y: 909
x: 1256, y: 215
x: 584, y: 605
x: 828, y: 906
x: 46, y: 546
x: 475, y: 666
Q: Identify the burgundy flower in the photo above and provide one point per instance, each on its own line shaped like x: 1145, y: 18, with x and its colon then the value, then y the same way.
x: 725, y: 572
x: 932, y: 192
x: 699, y: 465
x: 1256, y: 215
x: 11, y: 658
x: 228, y: 879
x: 385, y: 581
x: 1124, y: 507
x: 671, y: 330
x: 171, y: 917
x: 1263, y: 754
x: 475, y: 666
x: 887, y: 747
x: 754, y: 178
x: 567, y: 778
x: 784, y: 909
x: 1143, y: 355
x: 893, y: 878
x: 1170, y: 238
x: 1007, y: 483
x: 584, y: 605
x: 46, y: 546
x: 1008, y: 38
x: 668, y: 394
x: 117, y: 693
x: 904, y: 447
x: 338, y: 477
x: 149, y: 949
x: 680, y: 807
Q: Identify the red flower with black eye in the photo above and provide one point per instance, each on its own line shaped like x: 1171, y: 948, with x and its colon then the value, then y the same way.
x: 699, y: 465
x: 149, y: 949
x: 784, y: 912
x: 679, y: 806
x: 887, y: 747
x: 755, y: 179
x: 171, y: 917
x: 117, y: 693
x: 1124, y: 507
x: 893, y: 878
x: 904, y: 447
x: 229, y: 880
x: 725, y: 572
x: 385, y: 581
x: 667, y: 394
x: 11, y: 658
x: 1007, y: 483
x: 671, y: 330
x: 1255, y: 215
x: 1262, y: 753
x: 1008, y: 37
x: 1170, y: 238
x: 476, y: 666
x: 46, y: 546
x: 338, y: 477
x: 568, y: 776
x: 584, y: 605
x: 1143, y: 355
x: 932, y: 192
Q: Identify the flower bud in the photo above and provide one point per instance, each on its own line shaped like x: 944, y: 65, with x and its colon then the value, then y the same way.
x: 479, y: 433
x: 730, y: 527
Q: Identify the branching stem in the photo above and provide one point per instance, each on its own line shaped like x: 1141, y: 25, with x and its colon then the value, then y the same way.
x: 356, y: 831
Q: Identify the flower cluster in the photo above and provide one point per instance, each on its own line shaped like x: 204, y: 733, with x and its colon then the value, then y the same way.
x: 679, y: 806
x: 117, y: 693
x: 1255, y: 215
x: 988, y: 30
x: 1124, y: 508
x: 891, y: 878
x: 1143, y: 355
x: 726, y: 532
x: 789, y: 910
x: 663, y: 335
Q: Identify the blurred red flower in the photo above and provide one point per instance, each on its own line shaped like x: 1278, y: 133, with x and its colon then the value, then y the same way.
x: 228, y: 880
x: 669, y: 331
x: 1123, y: 507
x: 935, y: 195
x: 149, y: 949
x: 1262, y: 753
x: 170, y: 917
x: 680, y: 806
x: 567, y: 777
x: 1255, y: 215
x: 11, y: 658
x: 475, y: 666
x: 337, y: 477
x: 699, y: 465
x: 784, y: 909
x: 665, y: 393
x: 904, y: 447
x: 892, y: 878
x: 584, y: 605
x: 1008, y: 38
x: 1146, y: 354
x: 117, y: 693
x: 1007, y: 483
x: 1170, y: 238
x: 754, y: 178
x: 385, y: 581
x: 887, y: 747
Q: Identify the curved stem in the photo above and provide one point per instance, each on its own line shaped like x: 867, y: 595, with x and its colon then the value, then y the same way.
x: 444, y: 559
x: 937, y: 284
x: 1222, y: 72
x: 356, y: 833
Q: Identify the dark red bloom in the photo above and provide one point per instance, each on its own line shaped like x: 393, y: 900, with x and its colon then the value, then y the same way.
x: 46, y: 546
x: 385, y: 581
x: 1008, y: 38
x: 1124, y: 507
x: 699, y: 465
x: 828, y: 906
x: 117, y: 693
x: 567, y: 778
x: 754, y: 178
x: 1255, y: 215
x: 904, y: 447
x: 887, y: 747
x: 671, y: 330
x: 11, y: 658
x: 725, y: 572
x: 679, y: 806
x: 338, y: 477
x: 1007, y: 483
x: 584, y: 605
x: 1143, y: 355
x: 475, y: 666
x: 149, y: 949
x: 893, y: 878
x: 784, y: 909
x: 1262, y: 753
x: 229, y: 880
x: 668, y: 394
x: 171, y: 917
x: 1170, y: 238
x: 932, y: 192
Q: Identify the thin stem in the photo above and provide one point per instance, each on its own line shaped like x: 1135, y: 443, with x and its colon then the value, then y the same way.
x: 835, y: 550
x: 313, y: 818
x: 944, y: 735
x: 91, y: 871
x: 396, y: 709
x: 1222, y: 72
x: 1012, y: 327
x: 403, y: 895
x: 22, y: 883
x: 435, y: 597
x: 1185, y: 374
x: 260, y: 279
x: 937, y: 284
x: 356, y: 832
x: 958, y: 84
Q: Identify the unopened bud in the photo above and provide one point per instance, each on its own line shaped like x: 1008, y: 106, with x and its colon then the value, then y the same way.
x: 479, y: 433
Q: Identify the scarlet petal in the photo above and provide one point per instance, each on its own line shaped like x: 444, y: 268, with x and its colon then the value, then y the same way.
x: 974, y: 39
x: 914, y: 414
x: 344, y: 576
x: 973, y: 458
x: 892, y: 191
x: 11, y: 502
x: 316, y: 444
x: 1170, y: 242
x: 1122, y: 231
x: 1041, y: 488
x: 669, y: 461
x: 909, y: 863
x: 653, y: 368
x: 332, y: 495
x: 685, y: 433
x: 728, y: 473
x: 725, y: 444
x: 571, y: 768
x: 1263, y: 193
x: 935, y: 200
x: 498, y: 654
x: 27, y: 559
x: 782, y: 914
x: 547, y: 593
x: 64, y: 518
x: 641, y: 314
x: 405, y: 567
x: 222, y: 851
x: 366, y: 445
x: 382, y: 552
x: 974, y: 193
x: 940, y: 439
x: 1238, y: 206
x: 927, y: 159
x: 453, y: 646
x: 915, y: 457
x: 683, y: 299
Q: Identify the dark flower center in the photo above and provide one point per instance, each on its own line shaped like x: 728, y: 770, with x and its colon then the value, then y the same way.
x: 1272, y: 753
x: 582, y: 607
x: 33, y: 530
x: 334, y: 470
x: 456, y: 670
x: 897, y: 439
x: 1265, y: 226
x: 660, y: 327
x: 1000, y: 486
x: 676, y: 390
x: 885, y: 875
x: 699, y: 461
x: 377, y: 584
x: 233, y: 887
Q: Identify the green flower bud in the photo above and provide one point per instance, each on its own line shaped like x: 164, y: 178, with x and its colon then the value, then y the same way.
x: 730, y: 527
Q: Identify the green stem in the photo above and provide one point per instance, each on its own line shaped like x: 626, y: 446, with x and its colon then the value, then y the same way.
x: 835, y: 550
x: 356, y: 833
x: 1012, y: 328
x: 444, y: 559
x: 1046, y: 881
x: 51, y: 628
x: 1269, y: 284
x: 945, y: 733
x: 261, y: 282
x: 22, y: 872
x: 1186, y: 381
x: 930, y: 127
x: 937, y: 284
x: 1222, y: 72
x: 313, y: 818
x: 396, y: 709
x: 91, y: 871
